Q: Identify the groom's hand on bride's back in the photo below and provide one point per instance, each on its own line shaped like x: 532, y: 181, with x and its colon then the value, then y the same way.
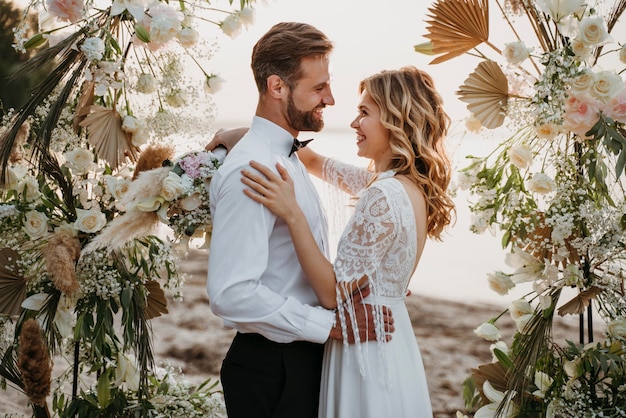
x: 364, y: 318
x: 226, y: 138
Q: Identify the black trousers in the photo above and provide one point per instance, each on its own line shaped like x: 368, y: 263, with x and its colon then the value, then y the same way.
x: 265, y: 379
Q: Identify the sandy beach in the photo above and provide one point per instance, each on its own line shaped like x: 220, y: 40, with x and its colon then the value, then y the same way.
x: 192, y: 338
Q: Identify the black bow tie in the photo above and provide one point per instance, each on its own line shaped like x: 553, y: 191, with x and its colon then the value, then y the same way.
x: 298, y: 145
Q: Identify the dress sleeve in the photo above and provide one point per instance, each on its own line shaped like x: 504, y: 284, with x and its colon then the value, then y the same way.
x: 367, y: 238
x: 349, y: 178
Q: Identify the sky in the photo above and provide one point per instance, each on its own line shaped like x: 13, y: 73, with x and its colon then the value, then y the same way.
x: 369, y: 36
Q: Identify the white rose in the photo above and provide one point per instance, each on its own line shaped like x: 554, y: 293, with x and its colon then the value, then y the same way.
x: 150, y: 204
x: 519, y: 308
x: 540, y: 183
x: 80, y: 160
x: 131, y: 124
x: 547, y: 131
x: 14, y: 176
x: 93, y: 48
x: 500, y: 282
x: 90, y: 221
x: 622, y: 54
x: 246, y: 16
x: 580, y: 49
x: 593, y: 31
x: 520, y: 155
x: 171, y: 187
x: 30, y: 188
x: 165, y: 25
x: 607, y: 84
x: 35, y: 224
x: 231, y: 26
x: 515, y: 52
x: 617, y: 328
x: 117, y: 187
x: 141, y: 137
x: 487, y: 331
x: 188, y: 37
x: 213, y: 83
x: 146, y: 83
x: 584, y: 81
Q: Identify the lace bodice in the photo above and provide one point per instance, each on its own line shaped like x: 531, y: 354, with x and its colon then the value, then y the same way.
x: 380, y: 240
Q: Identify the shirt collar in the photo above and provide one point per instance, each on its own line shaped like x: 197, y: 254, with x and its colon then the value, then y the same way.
x: 278, y: 139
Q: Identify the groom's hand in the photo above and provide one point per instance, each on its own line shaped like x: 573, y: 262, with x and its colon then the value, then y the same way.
x: 364, y: 319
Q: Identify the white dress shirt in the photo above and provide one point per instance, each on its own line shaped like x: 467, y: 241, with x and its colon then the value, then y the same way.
x: 255, y: 282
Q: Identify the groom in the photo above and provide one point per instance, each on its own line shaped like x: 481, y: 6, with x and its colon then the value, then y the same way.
x: 255, y: 283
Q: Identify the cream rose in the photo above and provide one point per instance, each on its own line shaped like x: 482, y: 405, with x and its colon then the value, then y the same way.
x: 213, y: 83
x: 90, y: 221
x: 515, y: 52
x: 520, y: 156
x: 166, y: 23
x: 80, y: 160
x: 584, y: 81
x: 29, y: 187
x: 580, y: 49
x: 117, y: 187
x: 35, y: 224
x: 14, y: 176
x: 487, y: 331
x: 171, y: 186
x: 617, y: 328
x: 593, y: 31
x: 607, y: 84
x: 547, y: 131
x: 500, y: 282
x: 540, y: 183
x: 231, y: 26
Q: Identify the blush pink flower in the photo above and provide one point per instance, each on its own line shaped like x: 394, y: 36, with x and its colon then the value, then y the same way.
x: 66, y: 10
x: 581, y: 113
x: 616, y: 108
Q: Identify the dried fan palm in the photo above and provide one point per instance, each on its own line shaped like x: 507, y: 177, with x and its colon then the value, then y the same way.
x: 580, y: 302
x: 456, y: 26
x: 156, y: 304
x: 486, y: 92
x: 12, y: 283
x: 84, y: 104
x: 495, y: 373
x: 104, y: 132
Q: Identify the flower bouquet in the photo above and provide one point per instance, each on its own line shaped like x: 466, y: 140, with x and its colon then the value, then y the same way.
x: 83, y: 156
x: 554, y: 189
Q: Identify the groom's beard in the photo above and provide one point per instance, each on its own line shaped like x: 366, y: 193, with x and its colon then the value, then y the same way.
x: 303, y: 121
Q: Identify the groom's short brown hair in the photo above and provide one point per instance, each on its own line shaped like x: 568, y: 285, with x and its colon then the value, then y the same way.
x: 281, y: 50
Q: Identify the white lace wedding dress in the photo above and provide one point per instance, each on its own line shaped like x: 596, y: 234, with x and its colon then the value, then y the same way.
x: 376, y: 379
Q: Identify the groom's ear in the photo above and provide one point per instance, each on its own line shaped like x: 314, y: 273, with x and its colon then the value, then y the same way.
x: 276, y: 87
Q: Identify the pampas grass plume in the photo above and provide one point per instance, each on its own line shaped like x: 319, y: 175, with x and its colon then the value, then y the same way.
x: 34, y: 363
x: 60, y: 255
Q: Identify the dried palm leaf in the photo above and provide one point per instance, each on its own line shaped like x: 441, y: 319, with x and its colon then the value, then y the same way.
x: 156, y: 303
x: 12, y: 283
x: 495, y: 373
x: 456, y: 26
x: 104, y: 132
x: 580, y: 302
x: 486, y: 92
x: 85, y: 101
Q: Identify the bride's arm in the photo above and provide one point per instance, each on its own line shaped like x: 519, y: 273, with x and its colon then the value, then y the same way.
x: 277, y: 194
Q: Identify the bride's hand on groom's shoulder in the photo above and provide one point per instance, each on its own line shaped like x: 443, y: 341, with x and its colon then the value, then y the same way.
x: 226, y: 138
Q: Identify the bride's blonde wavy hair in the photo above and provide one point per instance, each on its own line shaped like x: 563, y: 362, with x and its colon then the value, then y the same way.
x: 412, y: 110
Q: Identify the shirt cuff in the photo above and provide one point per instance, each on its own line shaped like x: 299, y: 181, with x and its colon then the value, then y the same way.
x: 318, y: 325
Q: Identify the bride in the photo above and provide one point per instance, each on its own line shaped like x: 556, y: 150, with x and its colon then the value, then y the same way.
x: 400, y: 127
